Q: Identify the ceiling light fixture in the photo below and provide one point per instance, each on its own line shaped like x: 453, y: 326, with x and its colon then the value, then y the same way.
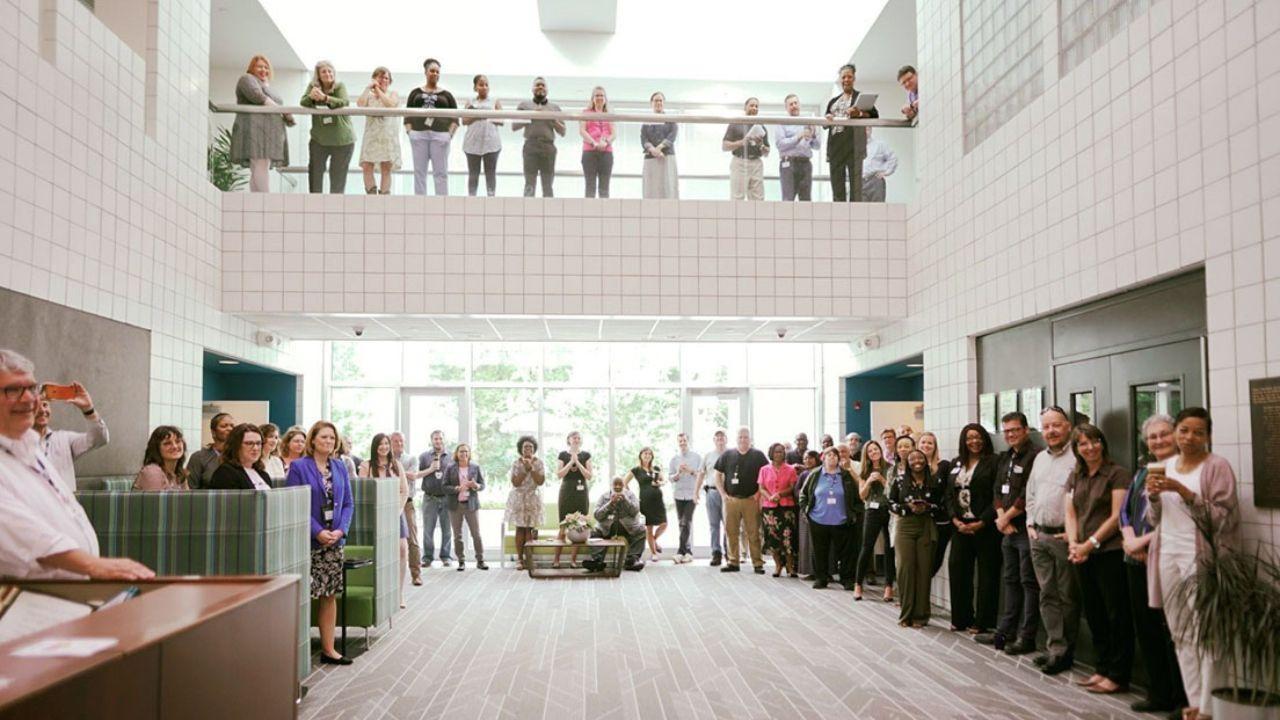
x: 228, y: 362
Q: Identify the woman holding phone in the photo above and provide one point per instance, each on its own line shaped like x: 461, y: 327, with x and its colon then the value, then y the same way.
x: 381, y: 147
x: 332, y: 140
x: 650, y: 481
x: 916, y: 495
x: 575, y: 477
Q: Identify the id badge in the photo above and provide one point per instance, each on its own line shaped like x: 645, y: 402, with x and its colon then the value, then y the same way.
x: 786, y: 163
x: 1004, y: 489
x: 581, y: 486
x: 874, y: 505
x: 831, y: 501
x: 326, y: 121
x: 733, y: 481
x: 328, y: 515
x: 1017, y: 469
x: 439, y: 474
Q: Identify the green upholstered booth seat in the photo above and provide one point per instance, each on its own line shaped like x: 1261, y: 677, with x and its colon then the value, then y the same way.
x: 361, y: 591
x: 376, y: 524
x: 211, y: 532
x: 104, y: 483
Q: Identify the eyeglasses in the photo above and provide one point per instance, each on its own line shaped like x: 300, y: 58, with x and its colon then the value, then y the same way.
x: 1055, y: 408
x: 252, y: 443
x: 16, y: 392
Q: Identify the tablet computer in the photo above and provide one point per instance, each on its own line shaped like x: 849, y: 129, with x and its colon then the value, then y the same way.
x: 865, y: 101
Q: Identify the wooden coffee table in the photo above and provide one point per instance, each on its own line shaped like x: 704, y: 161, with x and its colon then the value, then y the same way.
x: 615, y: 555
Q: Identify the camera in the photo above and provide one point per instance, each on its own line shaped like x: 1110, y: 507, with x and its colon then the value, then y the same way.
x: 782, y: 332
x: 358, y: 330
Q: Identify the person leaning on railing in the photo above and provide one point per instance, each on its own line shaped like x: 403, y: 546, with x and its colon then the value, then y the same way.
x: 258, y: 142
x: 846, y: 146
x: 482, y: 143
x: 333, y: 142
x: 539, y: 141
x: 748, y: 144
x: 381, y: 146
x: 597, y: 146
x: 660, y: 179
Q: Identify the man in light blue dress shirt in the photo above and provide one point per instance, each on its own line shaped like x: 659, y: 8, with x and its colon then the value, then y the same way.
x: 795, y: 144
x: 881, y: 162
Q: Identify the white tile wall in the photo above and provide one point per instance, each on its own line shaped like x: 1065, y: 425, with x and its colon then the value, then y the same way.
x: 562, y: 256
x: 97, y: 214
x: 1156, y: 154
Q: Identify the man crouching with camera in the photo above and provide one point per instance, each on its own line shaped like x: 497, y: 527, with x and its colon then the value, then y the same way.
x: 618, y: 512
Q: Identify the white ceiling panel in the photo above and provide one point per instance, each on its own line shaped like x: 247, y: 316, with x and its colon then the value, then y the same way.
x: 562, y: 329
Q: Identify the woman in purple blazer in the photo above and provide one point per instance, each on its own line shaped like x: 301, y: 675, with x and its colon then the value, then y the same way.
x: 331, y: 510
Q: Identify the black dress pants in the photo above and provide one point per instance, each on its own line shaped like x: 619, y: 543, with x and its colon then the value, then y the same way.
x: 846, y: 178
x: 1164, y: 678
x: 983, y: 550
x: 876, y: 524
x: 831, y: 541
x: 1104, y: 590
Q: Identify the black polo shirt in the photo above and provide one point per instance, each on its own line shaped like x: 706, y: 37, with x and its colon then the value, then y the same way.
x: 1011, y: 481
x: 741, y: 471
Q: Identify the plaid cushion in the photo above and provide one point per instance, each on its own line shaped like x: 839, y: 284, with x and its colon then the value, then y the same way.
x: 376, y: 522
x: 212, y: 532
x: 106, y: 482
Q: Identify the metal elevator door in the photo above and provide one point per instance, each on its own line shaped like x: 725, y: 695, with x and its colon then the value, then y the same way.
x: 1119, y: 392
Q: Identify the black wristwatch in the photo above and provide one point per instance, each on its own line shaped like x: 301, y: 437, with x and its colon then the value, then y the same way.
x: 89, y: 412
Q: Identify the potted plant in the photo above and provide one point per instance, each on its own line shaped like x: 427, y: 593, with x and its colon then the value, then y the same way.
x: 223, y: 173
x: 1234, y: 595
x: 577, y: 527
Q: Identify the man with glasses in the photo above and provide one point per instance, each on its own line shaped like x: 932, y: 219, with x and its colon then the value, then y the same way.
x: 432, y: 466
x: 63, y: 447
x: 1046, y: 527
x: 1021, y: 615
x: 44, y: 533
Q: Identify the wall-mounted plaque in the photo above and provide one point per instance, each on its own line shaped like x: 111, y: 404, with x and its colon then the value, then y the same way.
x: 1264, y: 415
x: 1031, y: 406
x: 987, y: 411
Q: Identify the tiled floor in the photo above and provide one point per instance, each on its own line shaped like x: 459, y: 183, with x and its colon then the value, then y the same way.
x: 676, y: 642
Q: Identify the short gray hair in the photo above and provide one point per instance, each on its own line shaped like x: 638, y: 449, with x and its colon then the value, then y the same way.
x: 1157, y: 418
x: 15, y: 363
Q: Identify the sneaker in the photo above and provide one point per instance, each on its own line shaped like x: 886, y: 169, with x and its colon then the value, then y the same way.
x: 636, y: 566
x: 445, y: 563
x: 716, y: 559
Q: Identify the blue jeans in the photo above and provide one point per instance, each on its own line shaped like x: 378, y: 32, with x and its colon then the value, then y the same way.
x: 430, y: 147
x: 715, y: 514
x: 435, y: 511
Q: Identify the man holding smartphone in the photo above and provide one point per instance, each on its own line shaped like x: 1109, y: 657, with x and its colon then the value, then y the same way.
x: 432, y: 465
x: 62, y: 447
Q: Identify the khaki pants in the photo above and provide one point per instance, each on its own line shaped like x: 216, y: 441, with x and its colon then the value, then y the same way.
x: 739, y: 512
x: 1059, y: 594
x: 456, y: 516
x: 415, y: 551
x: 746, y: 178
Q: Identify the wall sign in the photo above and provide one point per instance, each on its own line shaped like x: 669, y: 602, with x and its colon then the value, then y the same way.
x: 1264, y: 415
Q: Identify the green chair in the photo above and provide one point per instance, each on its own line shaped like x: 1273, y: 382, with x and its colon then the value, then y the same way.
x: 359, y: 600
x: 550, y: 524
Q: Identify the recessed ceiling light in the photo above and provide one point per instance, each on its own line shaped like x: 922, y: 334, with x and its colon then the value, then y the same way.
x: 915, y: 365
x: 228, y: 362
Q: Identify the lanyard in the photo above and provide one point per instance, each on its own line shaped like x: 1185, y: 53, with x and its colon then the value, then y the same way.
x: 38, y: 468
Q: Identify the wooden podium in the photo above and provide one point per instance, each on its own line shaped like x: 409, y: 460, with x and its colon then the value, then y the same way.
x: 212, y: 647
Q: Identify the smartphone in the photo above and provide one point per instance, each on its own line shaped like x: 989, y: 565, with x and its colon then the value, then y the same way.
x: 52, y: 391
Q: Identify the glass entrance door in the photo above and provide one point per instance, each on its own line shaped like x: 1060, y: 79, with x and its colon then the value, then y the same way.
x: 423, y: 411
x: 709, y: 410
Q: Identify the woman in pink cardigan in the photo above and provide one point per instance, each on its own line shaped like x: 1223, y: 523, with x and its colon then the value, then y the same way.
x: 1193, y: 482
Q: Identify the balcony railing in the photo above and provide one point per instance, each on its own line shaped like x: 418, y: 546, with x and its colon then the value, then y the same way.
x: 697, y: 143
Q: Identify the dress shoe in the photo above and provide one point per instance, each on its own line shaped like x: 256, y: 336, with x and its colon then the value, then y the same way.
x: 636, y: 566
x: 759, y: 570
x: 729, y: 568
x: 1019, y: 647
x: 461, y: 566
x: 340, y: 660
x: 593, y: 565
x: 1057, y: 665
x: 809, y: 578
x: 1146, y: 706
x: 820, y: 584
x: 1041, y: 659
x: 481, y: 565
x: 716, y: 559
x: 988, y: 638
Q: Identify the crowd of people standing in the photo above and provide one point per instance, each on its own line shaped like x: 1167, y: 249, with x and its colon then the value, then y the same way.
x: 859, y: 164
x: 1066, y: 530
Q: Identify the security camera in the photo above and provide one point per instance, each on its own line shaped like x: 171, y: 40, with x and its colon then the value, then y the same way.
x: 358, y: 330
x: 782, y: 332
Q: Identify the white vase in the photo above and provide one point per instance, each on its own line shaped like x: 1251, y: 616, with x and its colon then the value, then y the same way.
x: 577, y: 536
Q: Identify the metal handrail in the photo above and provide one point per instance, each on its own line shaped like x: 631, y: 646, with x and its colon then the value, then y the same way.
x: 567, y: 172
x: 527, y: 115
